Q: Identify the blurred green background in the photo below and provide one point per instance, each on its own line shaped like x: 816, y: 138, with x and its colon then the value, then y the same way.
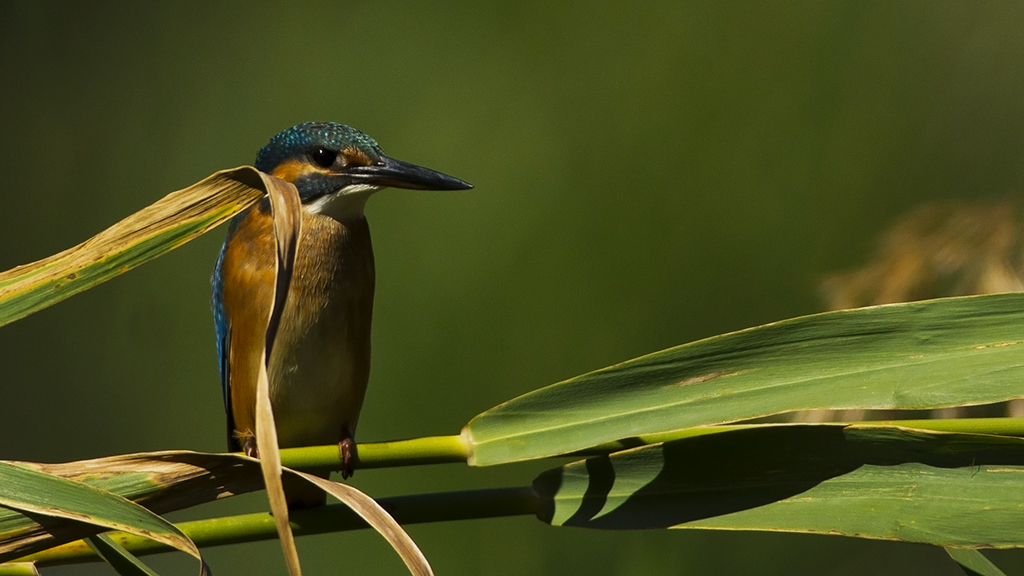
x: 646, y: 174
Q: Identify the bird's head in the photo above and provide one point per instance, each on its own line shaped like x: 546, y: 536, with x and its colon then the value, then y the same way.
x: 335, y: 168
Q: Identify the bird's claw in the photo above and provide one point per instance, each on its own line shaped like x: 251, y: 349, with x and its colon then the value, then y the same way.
x: 347, y: 451
x: 249, y: 447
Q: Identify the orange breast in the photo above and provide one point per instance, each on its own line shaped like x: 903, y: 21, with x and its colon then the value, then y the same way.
x: 248, y: 270
x: 320, y: 364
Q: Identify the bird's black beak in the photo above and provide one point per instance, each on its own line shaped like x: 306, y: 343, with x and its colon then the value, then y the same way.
x: 397, y: 174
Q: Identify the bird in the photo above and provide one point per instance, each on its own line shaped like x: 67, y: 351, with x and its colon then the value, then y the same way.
x: 320, y: 362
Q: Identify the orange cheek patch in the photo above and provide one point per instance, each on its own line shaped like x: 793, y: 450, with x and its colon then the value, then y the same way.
x: 291, y: 170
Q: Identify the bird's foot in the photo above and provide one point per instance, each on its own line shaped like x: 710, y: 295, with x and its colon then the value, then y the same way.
x: 249, y: 447
x: 347, y: 451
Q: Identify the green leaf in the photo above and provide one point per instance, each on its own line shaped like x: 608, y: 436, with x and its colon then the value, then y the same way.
x: 879, y: 482
x: 25, y: 489
x: 948, y: 352
x: 154, y: 230
x: 973, y: 562
x: 161, y: 481
x: 121, y: 560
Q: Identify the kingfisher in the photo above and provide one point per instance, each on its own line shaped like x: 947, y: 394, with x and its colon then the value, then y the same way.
x: 320, y: 362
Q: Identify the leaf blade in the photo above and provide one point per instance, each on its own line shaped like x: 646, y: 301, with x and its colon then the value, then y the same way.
x: 19, y: 569
x: 876, y: 482
x: 377, y: 518
x: 121, y: 560
x: 973, y: 562
x: 162, y: 481
x: 27, y: 490
x: 286, y: 209
x: 160, y: 227
x: 953, y: 351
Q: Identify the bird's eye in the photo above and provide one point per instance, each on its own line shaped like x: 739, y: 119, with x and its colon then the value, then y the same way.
x: 323, y: 157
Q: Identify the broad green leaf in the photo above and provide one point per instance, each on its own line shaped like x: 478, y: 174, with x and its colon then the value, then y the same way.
x: 973, y: 562
x: 154, y: 230
x: 28, y: 490
x: 937, y: 353
x: 959, y: 490
x: 121, y: 560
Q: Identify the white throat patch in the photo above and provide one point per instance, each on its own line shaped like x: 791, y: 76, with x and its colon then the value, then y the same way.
x: 345, y: 204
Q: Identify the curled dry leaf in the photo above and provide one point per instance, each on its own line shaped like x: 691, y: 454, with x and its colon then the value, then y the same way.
x: 164, y: 225
x: 286, y: 208
x: 379, y: 519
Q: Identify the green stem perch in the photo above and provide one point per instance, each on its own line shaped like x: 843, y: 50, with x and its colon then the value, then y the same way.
x: 998, y: 426
x: 454, y: 449
x: 416, y: 509
x: 428, y: 450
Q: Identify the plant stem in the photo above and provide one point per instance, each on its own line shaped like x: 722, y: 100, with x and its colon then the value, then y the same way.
x: 428, y: 450
x: 416, y: 509
x: 999, y: 426
x: 454, y: 449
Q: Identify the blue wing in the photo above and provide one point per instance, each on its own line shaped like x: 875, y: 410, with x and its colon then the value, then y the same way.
x: 222, y: 326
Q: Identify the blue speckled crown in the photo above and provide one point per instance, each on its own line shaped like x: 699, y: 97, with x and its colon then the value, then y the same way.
x: 303, y: 138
